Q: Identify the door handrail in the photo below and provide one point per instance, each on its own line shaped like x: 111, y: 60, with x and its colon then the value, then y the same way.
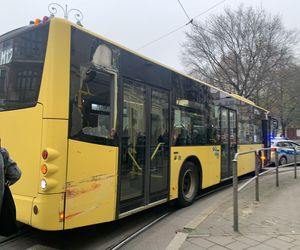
x: 156, y: 149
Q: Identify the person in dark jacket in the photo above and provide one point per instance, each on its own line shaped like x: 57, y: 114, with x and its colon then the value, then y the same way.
x: 9, y: 172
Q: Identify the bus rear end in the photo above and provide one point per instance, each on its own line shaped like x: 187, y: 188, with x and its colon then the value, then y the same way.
x: 34, y: 75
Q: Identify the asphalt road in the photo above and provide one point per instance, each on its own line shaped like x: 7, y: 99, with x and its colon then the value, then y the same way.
x: 104, y: 236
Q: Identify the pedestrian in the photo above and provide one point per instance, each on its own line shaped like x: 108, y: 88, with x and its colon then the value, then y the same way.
x: 9, y: 174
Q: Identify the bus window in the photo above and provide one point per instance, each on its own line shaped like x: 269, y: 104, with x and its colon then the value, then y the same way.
x: 93, y: 89
x: 21, y: 65
x: 189, y: 128
x: 92, y: 116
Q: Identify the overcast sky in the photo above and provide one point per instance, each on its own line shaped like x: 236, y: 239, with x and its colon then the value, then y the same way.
x: 134, y: 23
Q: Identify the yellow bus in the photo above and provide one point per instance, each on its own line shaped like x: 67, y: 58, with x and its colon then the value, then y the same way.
x: 101, y: 132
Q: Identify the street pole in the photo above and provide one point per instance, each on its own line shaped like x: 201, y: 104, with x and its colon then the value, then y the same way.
x: 235, y: 196
x: 257, y: 175
x: 277, y: 166
x: 295, y: 164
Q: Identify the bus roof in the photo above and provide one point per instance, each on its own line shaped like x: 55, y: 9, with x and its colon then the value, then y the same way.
x: 66, y: 22
x: 15, y: 32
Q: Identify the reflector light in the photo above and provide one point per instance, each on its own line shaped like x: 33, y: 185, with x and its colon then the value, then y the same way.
x: 37, y: 21
x: 45, y: 154
x: 43, y: 184
x: 35, y: 209
x: 44, y: 169
x: 263, y: 157
x: 61, y: 216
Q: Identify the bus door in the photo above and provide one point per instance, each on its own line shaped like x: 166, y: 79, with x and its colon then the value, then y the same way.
x: 228, y: 141
x: 144, y: 168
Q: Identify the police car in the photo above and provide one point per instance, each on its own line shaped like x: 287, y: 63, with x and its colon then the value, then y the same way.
x: 285, y: 149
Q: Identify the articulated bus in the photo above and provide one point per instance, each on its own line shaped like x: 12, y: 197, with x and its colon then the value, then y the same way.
x: 101, y: 132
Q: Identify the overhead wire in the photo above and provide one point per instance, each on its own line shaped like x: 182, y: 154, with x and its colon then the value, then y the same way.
x: 184, y: 10
x: 182, y: 26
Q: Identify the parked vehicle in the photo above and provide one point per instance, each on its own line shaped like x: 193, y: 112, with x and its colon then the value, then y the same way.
x: 285, y: 150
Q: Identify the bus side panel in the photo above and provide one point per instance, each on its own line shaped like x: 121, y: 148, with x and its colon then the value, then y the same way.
x: 49, y: 209
x: 50, y: 201
x: 91, y: 184
x: 246, y: 163
x: 54, y: 90
x: 20, y: 133
x: 209, y: 157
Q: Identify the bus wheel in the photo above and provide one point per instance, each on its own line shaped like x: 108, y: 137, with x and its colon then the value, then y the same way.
x: 188, y: 184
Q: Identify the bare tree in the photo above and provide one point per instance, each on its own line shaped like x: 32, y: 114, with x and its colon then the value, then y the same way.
x: 239, y: 50
x: 282, y: 97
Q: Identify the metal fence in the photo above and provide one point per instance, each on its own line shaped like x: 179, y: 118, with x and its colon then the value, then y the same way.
x: 236, y: 190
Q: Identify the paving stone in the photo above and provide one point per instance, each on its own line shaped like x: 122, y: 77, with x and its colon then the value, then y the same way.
x: 190, y: 246
x: 285, y: 238
x: 263, y: 225
x: 279, y: 244
x: 247, y: 240
x: 221, y: 240
x: 296, y: 242
x: 217, y: 247
x: 295, y: 248
x: 261, y: 247
x: 237, y: 245
x: 201, y: 242
x: 295, y: 236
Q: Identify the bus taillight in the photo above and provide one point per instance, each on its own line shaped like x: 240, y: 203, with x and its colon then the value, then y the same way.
x: 44, y: 169
x: 45, y: 154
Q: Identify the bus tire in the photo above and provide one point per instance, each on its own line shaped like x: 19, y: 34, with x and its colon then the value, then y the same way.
x: 188, y: 184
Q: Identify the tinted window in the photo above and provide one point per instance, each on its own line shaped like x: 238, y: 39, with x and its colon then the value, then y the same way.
x: 195, y: 116
x: 93, y: 90
x: 21, y: 65
x: 245, y: 127
x: 295, y: 144
x: 258, y: 116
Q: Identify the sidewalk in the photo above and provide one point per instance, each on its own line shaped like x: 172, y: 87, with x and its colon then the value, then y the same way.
x: 272, y: 223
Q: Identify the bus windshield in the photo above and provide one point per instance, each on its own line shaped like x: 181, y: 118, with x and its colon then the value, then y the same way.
x: 22, y: 54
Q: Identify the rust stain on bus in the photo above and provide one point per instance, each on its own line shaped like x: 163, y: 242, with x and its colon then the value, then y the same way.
x: 70, y: 216
x: 73, y: 189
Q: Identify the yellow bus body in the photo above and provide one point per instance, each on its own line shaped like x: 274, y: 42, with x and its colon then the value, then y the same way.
x: 91, y: 190
x: 82, y: 177
x: 246, y: 163
x: 209, y: 159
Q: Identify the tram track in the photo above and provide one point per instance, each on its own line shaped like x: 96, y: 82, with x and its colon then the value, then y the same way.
x: 138, y: 232
x: 167, y: 213
x: 24, y: 231
x: 112, y: 239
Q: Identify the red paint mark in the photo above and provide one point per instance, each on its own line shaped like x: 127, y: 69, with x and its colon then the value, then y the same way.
x: 70, y: 216
x: 73, y: 192
x: 95, y: 185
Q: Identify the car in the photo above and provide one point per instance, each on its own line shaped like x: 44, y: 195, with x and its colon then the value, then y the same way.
x: 285, y: 149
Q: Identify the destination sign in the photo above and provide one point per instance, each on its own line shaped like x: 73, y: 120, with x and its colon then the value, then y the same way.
x: 6, y: 56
